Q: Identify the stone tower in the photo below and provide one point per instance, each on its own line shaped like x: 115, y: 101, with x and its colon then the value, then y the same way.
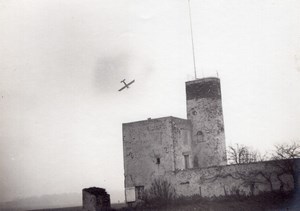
x: 204, y: 110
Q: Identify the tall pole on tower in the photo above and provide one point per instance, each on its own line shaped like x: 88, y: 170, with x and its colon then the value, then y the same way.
x: 192, y: 38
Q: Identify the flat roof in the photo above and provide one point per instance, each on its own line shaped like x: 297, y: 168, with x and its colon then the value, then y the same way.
x: 203, y: 80
x: 155, y: 119
x: 95, y: 191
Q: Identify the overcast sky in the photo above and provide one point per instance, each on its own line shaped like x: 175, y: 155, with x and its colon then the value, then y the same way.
x: 61, y: 63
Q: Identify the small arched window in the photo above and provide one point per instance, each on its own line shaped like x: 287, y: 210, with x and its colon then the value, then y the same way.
x: 200, y: 136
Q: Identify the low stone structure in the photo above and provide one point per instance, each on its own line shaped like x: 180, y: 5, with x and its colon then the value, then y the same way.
x: 95, y: 199
x: 239, y: 179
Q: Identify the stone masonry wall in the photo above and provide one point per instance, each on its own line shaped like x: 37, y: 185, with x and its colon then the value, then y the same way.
x: 204, y: 110
x: 181, y: 135
x: 95, y: 199
x: 145, y: 144
x: 154, y: 147
x: 247, y: 179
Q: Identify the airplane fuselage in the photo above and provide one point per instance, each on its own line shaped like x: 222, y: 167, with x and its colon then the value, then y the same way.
x: 125, y: 84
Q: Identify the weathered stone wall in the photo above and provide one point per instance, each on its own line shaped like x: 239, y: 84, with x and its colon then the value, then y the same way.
x: 246, y: 179
x: 181, y: 135
x: 204, y: 110
x: 88, y: 201
x: 153, y: 147
x: 294, y: 205
x: 95, y: 199
x: 148, y: 150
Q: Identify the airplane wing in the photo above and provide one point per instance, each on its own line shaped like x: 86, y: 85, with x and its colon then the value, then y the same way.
x: 122, y: 88
x: 126, y: 85
x: 130, y: 83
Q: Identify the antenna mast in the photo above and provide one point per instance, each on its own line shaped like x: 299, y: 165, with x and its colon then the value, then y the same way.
x: 195, y: 71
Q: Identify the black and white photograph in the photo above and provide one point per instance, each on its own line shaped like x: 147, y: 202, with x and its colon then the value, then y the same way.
x: 149, y: 105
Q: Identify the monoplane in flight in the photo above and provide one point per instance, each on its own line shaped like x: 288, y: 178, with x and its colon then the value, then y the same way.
x: 125, y: 84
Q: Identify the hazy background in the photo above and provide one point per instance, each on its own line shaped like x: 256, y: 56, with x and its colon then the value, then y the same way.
x: 61, y: 63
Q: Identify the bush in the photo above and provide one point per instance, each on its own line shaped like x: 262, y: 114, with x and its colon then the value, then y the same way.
x: 160, y: 193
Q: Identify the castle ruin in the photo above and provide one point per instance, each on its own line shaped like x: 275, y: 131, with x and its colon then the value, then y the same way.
x: 191, y: 153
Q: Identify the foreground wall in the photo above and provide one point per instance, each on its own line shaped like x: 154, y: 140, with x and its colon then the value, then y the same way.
x: 244, y: 179
x: 95, y: 199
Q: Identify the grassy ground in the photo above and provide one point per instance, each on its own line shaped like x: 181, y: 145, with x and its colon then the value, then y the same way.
x: 118, y: 206
x: 233, y: 203
x: 272, y: 202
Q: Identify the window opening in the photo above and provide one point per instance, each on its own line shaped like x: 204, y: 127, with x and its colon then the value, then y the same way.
x: 200, y: 136
x: 186, y: 161
x: 196, y: 162
x: 139, y: 192
x: 157, y: 161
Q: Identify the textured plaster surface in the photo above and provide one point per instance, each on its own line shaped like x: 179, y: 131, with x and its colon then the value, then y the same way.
x: 89, y: 201
x: 151, y: 148
x: 95, y: 199
x: 181, y: 135
x: 245, y: 179
x: 204, y: 110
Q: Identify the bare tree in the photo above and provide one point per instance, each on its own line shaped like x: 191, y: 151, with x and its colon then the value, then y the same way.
x: 286, y: 151
x: 239, y: 154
